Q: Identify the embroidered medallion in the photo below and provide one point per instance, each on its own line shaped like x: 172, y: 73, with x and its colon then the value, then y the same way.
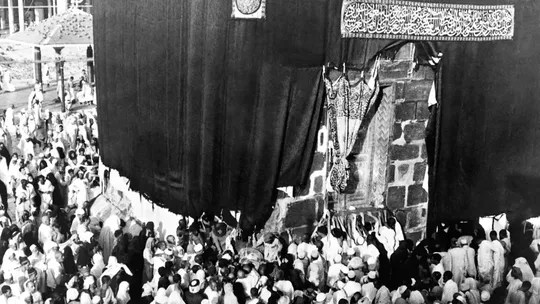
x: 389, y: 19
x: 249, y: 9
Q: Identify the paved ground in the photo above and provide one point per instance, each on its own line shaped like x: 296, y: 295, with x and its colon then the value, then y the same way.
x: 19, y: 98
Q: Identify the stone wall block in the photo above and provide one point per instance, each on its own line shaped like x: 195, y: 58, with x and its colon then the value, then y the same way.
x: 403, y: 171
x: 391, y: 173
x: 417, y: 90
x: 319, y: 184
x: 318, y: 161
x: 423, y: 72
x: 401, y: 216
x: 392, y: 70
x: 422, y: 111
x: 416, y: 195
x: 302, y: 212
x: 320, y: 205
x: 415, y: 236
x: 404, y: 152
x: 416, y: 218
x: 419, y: 172
x: 405, y: 111
x: 406, y: 53
x: 400, y: 90
x: 397, y: 131
x: 396, y: 198
x: 423, y: 155
x: 414, y: 131
x: 301, y: 190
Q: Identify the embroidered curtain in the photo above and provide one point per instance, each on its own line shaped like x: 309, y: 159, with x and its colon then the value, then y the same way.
x: 348, y: 99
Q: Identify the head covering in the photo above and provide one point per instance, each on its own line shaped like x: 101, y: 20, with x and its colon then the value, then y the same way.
x: 463, y: 241
x: 355, y: 263
x: 220, y: 229
x: 262, y: 281
x: 485, y: 296
x: 372, y: 275
x: 194, y: 286
x: 168, y: 252
x: 123, y: 292
x: 147, y: 290
x: 79, y: 211
x: 88, y: 281
x: 161, y: 296
x: 364, y: 300
x: 351, y: 275
x: 114, y: 267
x: 269, y: 237
x: 321, y: 298
x: 526, y: 270
x: 149, y: 243
x: 340, y: 285
x: 525, y: 286
x: 350, y: 252
x: 86, y: 237
x: 198, y: 248
x: 416, y: 298
x: 459, y: 298
x: 372, y: 261
x: 72, y: 294
x: 301, y: 254
x: 337, y: 259
x: 314, y: 254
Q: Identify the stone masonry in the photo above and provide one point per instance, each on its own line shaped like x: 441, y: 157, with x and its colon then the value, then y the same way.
x: 391, y: 152
x: 389, y: 162
x: 407, y: 194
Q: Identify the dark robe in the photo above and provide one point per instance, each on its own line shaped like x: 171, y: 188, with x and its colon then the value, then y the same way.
x: 84, y: 258
x: 195, y: 298
x: 397, y: 262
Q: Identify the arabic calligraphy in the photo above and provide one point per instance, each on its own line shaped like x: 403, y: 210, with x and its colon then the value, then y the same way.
x: 426, y: 21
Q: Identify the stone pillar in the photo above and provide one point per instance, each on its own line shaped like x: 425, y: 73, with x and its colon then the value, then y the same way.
x: 62, y: 87
x: 62, y: 6
x: 20, y: 6
x: 90, y: 64
x: 11, y: 17
x: 50, y: 8
x: 60, y: 76
x: 407, y: 194
x: 39, y: 14
x: 38, y: 75
x: 2, y: 19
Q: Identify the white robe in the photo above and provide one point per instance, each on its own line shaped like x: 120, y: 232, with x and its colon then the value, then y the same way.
x: 458, y: 258
x: 9, y: 122
x: 46, y: 189
x: 486, y: 264
x: 498, y: 263
x: 471, y: 267
x: 449, y: 289
x: 106, y: 237
x: 5, y: 177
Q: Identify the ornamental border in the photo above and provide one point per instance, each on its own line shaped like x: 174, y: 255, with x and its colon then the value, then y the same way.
x: 509, y: 8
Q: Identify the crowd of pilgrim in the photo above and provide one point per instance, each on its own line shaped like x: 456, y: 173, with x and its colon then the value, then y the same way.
x: 53, y: 250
